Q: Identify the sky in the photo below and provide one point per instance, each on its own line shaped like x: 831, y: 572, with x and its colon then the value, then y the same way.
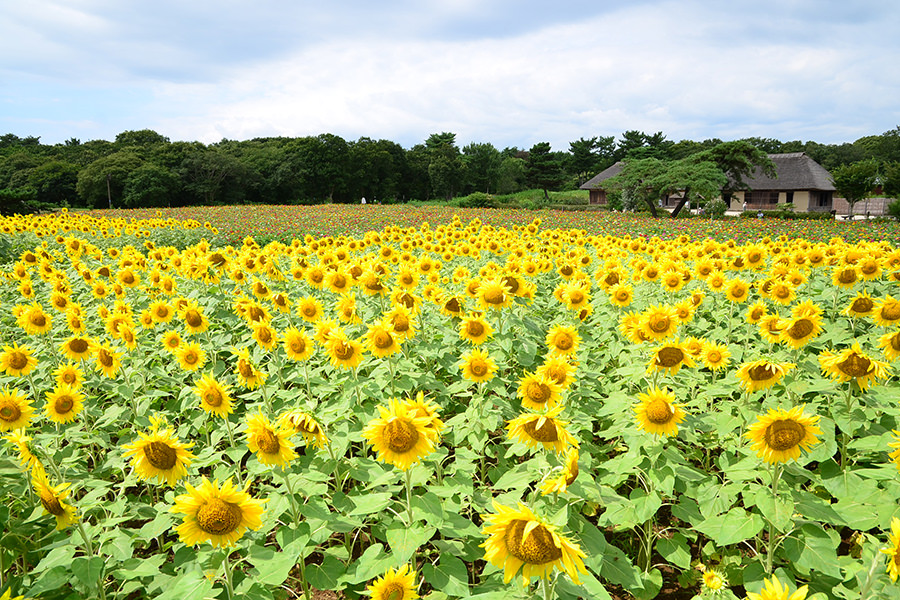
x: 509, y: 72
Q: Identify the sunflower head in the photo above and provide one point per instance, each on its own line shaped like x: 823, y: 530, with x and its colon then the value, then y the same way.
x: 779, y: 435
x: 853, y: 363
x: 563, y: 339
x: 658, y: 413
x: 219, y: 515
x: 158, y: 454
x: 53, y: 498
x: 762, y: 374
x: 395, y: 584
x: 477, y: 365
x: 15, y: 410
x: 546, y: 430
x: 399, y: 438
x: 270, y: 442
x: 538, y: 392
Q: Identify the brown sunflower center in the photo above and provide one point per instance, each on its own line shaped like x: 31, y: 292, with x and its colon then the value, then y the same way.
x: 160, y: 455
x: 256, y: 314
x: 218, y: 517
x: 393, y: 591
x: 401, y: 323
x: 869, y: 267
x: 452, y: 305
x: 245, y: 369
x: 659, y: 412
x: 213, y: 397
x: 891, y: 312
x: 761, y: 373
x: 622, y: 296
x: 862, y: 305
x: 38, y: 320
x: 669, y: 357
x: 383, y: 340
x: 401, y: 435
x: 847, y: 276
x: 784, y: 434
x: 545, y: 433
x: 474, y: 328
x: 566, y: 271
x: 754, y: 257
x: 478, y: 368
x: 63, y: 404
x: 576, y: 297
x: 17, y: 360
x: 265, y: 336
x: 69, y: 378
x: 782, y: 292
x: 611, y: 279
x: 536, y: 549
x: 894, y: 341
x: 738, y: 292
x: 855, y: 365
x: 714, y: 356
x: 52, y: 505
x: 563, y: 341
x: 512, y: 283
x: 573, y: 474
x: 268, y: 442
x: 538, y: 392
x: 310, y: 310
x: 193, y: 318
x: 494, y: 296
x: 800, y: 329
x: 10, y: 412
x: 105, y: 358
x: 344, y: 351
x: 298, y: 345
x: 191, y: 357
x: 659, y: 323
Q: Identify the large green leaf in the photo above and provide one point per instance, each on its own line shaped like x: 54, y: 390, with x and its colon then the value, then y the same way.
x: 734, y: 526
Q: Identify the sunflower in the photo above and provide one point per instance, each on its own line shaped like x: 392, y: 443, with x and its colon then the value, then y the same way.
x: 399, y: 584
x: 215, y: 397
x: 398, y: 437
x: 845, y: 276
x: 451, y: 305
x: 35, y: 321
x: 297, y: 344
x: 304, y: 424
x: 559, y: 369
x: 194, y: 319
x: 799, y: 330
x: 494, y: 294
x: 419, y: 407
x: 773, y: 590
x: 895, y: 455
x: 621, y: 294
x: 475, y: 329
x: 270, y: 442
x: 715, y: 356
x: 761, y: 374
x: 886, y: 312
x: 713, y: 581
x: 893, y: 550
x: 380, y: 339
x: 890, y: 345
x: 782, y: 292
x: 563, y: 339
x: 63, y: 404
x: 171, y: 340
x: 670, y: 358
x: 17, y: 360
x: 861, y: 306
x: 779, y: 435
x: 770, y: 327
x: 343, y: 351
x: 77, y: 347
x: 659, y: 322
x: 545, y: 429
x: 309, y: 309
x: 53, y: 498
x: 658, y: 413
x: 853, y: 363
x: 159, y: 454
x: 538, y: 392
x: 477, y: 365
x: 576, y: 296
x: 108, y: 360
x: 219, y: 515
x: 191, y: 357
x: 24, y: 447
x: 265, y: 335
x: 248, y: 375
x: 756, y: 312
x: 519, y: 539
x: 631, y: 326
x: 68, y: 374
x: 566, y: 476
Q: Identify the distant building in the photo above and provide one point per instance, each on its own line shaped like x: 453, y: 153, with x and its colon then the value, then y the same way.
x: 800, y: 181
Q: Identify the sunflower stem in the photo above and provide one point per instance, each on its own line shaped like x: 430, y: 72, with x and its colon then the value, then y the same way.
x: 545, y: 586
x: 290, y: 489
x: 228, y: 429
x: 306, y: 374
x: 229, y: 585
x: 867, y: 585
x: 89, y: 549
x: 770, y: 542
x: 845, y: 437
x: 409, y: 513
x: 391, y: 367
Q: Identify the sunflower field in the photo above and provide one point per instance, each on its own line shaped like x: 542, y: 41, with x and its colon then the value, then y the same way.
x: 455, y: 411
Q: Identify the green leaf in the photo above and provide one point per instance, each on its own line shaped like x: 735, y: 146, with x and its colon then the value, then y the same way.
x: 778, y: 511
x: 134, y: 568
x: 450, y: 576
x: 187, y: 586
x: 405, y: 540
x: 645, y: 505
x: 515, y: 479
x: 327, y: 575
x: 734, y: 526
x: 88, y: 570
x: 274, y: 569
x: 651, y: 583
x: 675, y: 550
x: 367, y: 504
x: 814, y: 549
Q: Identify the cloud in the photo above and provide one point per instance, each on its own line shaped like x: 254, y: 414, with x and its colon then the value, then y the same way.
x: 502, y: 71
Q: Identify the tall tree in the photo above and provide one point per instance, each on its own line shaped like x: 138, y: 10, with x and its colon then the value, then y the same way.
x: 482, y: 167
x: 583, y: 158
x: 102, y: 182
x: 445, y: 167
x: 543, y: 169
x: 855, y: 181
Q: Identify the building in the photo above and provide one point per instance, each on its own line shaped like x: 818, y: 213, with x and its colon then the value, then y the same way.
x: 801, y: 182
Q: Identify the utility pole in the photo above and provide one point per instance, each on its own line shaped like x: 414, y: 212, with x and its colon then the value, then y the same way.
x: 108, y: 190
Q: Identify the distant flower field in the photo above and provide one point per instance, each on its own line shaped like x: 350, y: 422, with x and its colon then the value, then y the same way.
x: 285, y: 222
x: 400, y: 402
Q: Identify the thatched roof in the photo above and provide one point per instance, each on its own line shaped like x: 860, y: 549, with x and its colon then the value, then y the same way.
x: 594, y: 182
x: 796, y: 171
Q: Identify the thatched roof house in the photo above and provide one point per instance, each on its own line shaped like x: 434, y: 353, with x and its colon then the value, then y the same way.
x: 801, y: 181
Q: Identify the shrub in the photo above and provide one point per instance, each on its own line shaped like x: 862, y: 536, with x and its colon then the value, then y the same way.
x: 477, y: 200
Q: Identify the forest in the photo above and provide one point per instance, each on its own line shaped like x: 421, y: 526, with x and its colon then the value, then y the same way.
x: 146, y: 169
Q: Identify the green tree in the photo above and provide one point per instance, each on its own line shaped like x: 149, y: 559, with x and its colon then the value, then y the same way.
x: 511, y: 175
x: 890, y: 180
x: 102, y: 182
x: 481, y: 167
x: 213, y: 176
x: 737, y: 160
x: 854, y: 182
x: 543, y: 169
x: 445, y: 167
x: 583, y: 158
x: 150, y: 185
x: 54, y: 182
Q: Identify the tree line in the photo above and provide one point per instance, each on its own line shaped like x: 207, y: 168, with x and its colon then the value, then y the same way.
x: 146, y: 169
